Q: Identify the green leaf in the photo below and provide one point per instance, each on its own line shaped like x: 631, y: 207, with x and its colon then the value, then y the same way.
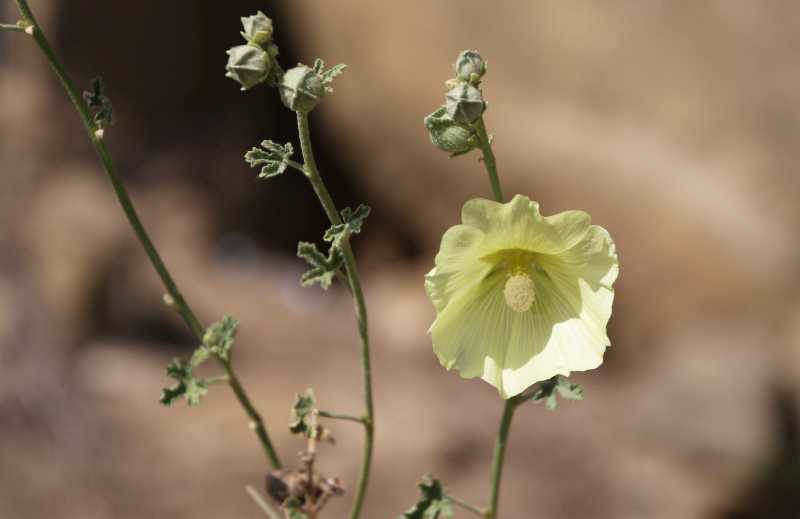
x: 301, y: 413
x: 220, y: 336
x: 180, y: 370
x: 196, y: 389
x: 433, y: 503
x: 327, y: 76
x: 272, y: 157
x: 558, y: 385
x: 323, y: 268
x: 352, y: 222
x: 99, y: 104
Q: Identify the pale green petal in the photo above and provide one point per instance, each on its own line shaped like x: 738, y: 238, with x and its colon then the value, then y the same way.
x: 518, y: 224
x: 457, y: 265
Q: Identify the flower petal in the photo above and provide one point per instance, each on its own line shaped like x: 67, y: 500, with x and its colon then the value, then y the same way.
x: 518, y: 224
x: 457, y: 265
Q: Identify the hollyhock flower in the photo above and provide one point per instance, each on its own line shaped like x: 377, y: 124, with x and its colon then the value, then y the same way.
x: 521, y: 297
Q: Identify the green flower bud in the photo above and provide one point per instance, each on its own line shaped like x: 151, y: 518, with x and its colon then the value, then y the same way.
x: 464, y: 103
x: 249, y: 65
x: 449, y: 135
x: 301, y: 89
x: 470, y: 67
x: 257, y: 28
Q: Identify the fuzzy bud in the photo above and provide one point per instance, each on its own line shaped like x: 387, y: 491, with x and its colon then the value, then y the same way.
x: 301, y: 89
x: 449, y: 135
x: 464, y: 103
x: 470, y: 67
x: 257, y: 28
x: 249, y: 65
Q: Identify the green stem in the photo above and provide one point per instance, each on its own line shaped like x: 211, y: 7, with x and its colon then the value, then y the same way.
x: 176, y: 298
x: 499, y: 456
x: 467, y: 506
x: 256, y: 422
x: 488, y: 159
x: 10, y: 27
x: 312, y: 172
x: 340, y: 416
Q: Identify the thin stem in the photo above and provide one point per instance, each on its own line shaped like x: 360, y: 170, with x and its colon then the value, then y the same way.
x: 467, y: 506
x: 256, y: 422
x: 262, y: 504
x: 10, y: 27
x: 499, y: 456
x: 312, y: 172
x: 340, y: 416
x: 176, y: 299
x: 488, y: 159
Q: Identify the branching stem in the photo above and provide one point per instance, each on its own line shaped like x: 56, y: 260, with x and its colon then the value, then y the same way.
x: 488, y: 159
x: 176, y: 298
x: 312, y: 172
x: 467, y: 506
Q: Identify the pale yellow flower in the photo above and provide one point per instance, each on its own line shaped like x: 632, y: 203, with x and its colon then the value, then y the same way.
x: 521, y: 297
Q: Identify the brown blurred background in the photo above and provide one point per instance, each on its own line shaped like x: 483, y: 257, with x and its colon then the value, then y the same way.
x: 675, y: 124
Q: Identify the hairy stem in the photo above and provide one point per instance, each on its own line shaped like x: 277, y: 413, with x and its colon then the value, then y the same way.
x: 175, y: 297
x: 312, y: 172
x: 488, y: 159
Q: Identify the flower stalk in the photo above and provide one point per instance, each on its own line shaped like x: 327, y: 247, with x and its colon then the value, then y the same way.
x: 176, y: 300
x: 312, y: 173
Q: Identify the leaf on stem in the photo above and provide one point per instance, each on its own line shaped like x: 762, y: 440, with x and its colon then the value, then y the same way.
x: 352, y: 222
x: 558, y: 385
x: 186, y: 385
x: 99, y: 104
x: 220, y: 336
x: 217, y: 342
x: 323, y: 268
x: 272, y: 157
x: 301, y: 413
x: 433, y: 503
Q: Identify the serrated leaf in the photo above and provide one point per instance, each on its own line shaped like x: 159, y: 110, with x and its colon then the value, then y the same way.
x: 323, y: 268
x: 352, y: 222
x: 301, y: 413
x: 272, y: 157
x: 220, y: 336
x: 547, y: 391
x: 433, y: 503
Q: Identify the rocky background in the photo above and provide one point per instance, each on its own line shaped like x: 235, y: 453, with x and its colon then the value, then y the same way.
x: 674, y: 124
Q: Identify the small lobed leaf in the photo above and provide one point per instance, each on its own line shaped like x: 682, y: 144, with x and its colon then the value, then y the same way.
x: 220, y: 336
x: 558, y: 385
x: 301, y: 413
x: 433, y: 502
x: 352, y: 222
x: 272, y: 157
x: 323, y: 268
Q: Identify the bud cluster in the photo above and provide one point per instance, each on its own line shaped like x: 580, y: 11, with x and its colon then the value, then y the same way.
x: 451, y: 126
x: 254, y: 63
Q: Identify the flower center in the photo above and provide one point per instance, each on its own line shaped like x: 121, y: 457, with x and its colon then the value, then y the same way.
x: 519, y: 292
